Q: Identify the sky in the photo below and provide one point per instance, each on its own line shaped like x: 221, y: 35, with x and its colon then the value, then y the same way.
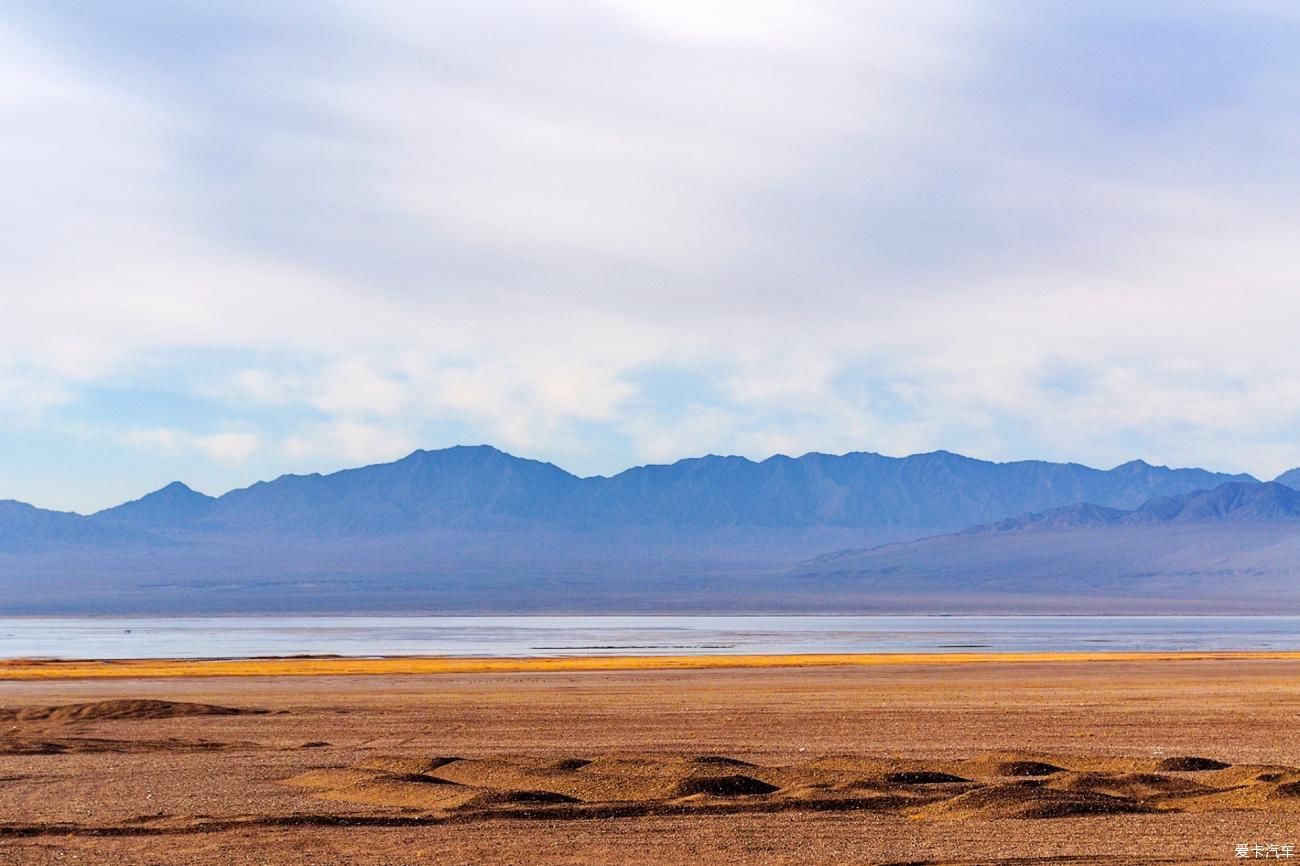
x: 250, y: 238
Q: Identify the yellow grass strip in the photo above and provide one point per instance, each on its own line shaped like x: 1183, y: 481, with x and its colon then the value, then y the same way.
x: 41, y: 669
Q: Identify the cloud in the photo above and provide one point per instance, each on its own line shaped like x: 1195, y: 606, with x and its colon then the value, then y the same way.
x: 355, y: 441
x: 1014, y: 231
x: 232, y: 446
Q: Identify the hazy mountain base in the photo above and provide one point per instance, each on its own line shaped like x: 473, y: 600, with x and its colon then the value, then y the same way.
x: 444, y: 570
x: 1227, y: 568
x: 1192, y: 568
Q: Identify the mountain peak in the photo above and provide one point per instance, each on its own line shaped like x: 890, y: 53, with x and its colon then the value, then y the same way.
x: 171, y: 494
x: 1237, y: 501
x: 1290, y: 478
x: 173, y: 504
x: 456, y: 453
x: 943, y: 454
x: 1083, y: 514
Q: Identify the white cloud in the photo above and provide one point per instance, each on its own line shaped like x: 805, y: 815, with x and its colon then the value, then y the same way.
x: 227, y: 446
x: 355, y: 441
x: 232, y: 446
x: 159, y: 438
x: 398, y: 216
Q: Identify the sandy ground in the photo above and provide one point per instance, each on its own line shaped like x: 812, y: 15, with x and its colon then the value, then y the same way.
x: 900, y: 763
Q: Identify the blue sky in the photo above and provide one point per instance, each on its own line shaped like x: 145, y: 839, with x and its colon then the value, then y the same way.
x: 243, y: 239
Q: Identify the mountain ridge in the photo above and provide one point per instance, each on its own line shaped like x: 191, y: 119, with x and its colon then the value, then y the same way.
x: 1236, y: 545
x: 481, y: 486
x: 1268, y: 500
x: 474, y: 529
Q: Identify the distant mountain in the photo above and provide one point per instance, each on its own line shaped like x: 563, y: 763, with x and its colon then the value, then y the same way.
x: 469, y: 487
x: 172, y: 506
x: 26, y: 529
x: 1235, y: 547
x: 474, y: 528
x: 1228, y: 502
x: 482, y: 488
x: 1068, y: 517
x: 924, y: 491
x: 1290, y: 478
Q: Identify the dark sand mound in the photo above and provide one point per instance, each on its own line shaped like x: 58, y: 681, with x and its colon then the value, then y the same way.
x: 95, y: 745
x: 1028, y: 768
x: 723, y: 786
x: 1020, y: 800
x: 1190, y: 764
x: 401, y: 766
x: 1287, y: 790
x: 568, y: 764
x: 1132, y: 785
x: 120, y: 710
x: 720, y: 761
x: 516, y: 798
x: 34, y: 747
x: 420, y: 779
x: 922, y: 777
x: 1078, y: 807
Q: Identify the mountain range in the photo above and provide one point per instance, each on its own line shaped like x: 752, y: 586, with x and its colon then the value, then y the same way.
x: 1234, y: 502
x: 474, y: 528
x: 1234, y: 548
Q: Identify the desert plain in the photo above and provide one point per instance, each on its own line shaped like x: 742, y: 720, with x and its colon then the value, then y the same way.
x: 941, y: 760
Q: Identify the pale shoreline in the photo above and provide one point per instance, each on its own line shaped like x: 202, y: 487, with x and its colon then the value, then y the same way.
x: 291, y: 666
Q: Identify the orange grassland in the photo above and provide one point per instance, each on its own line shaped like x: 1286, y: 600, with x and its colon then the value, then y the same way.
x: 47, y: 669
